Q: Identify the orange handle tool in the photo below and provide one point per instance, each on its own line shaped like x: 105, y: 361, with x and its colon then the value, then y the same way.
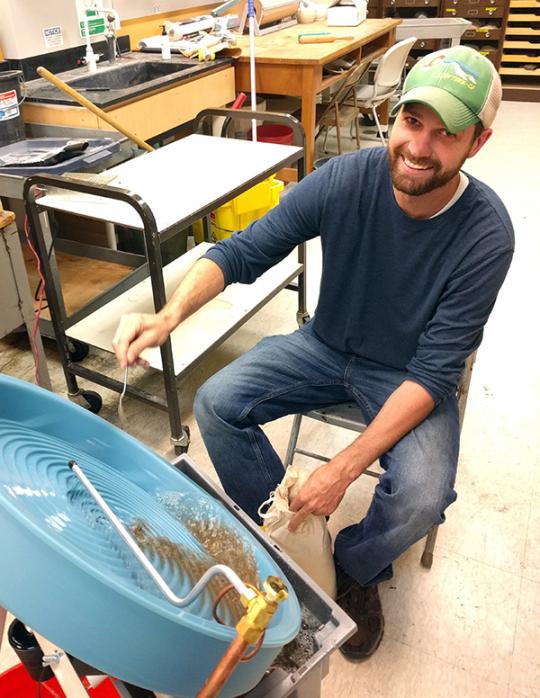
x: 321, y: 38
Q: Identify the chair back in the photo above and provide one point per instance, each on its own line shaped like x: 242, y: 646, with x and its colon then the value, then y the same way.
x: 390, y: 69
x: 346, y: 86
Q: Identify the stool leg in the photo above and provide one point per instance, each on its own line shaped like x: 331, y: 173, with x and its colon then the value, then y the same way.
x: 293, y: 439
x: 427, y: 555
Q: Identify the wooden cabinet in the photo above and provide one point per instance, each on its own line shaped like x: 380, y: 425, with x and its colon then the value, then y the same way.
x: 520, y: 61
x: 488, y: 18
x: 150, y: 114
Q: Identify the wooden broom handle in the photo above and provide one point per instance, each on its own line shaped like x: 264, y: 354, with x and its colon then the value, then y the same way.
x: 57, y: 82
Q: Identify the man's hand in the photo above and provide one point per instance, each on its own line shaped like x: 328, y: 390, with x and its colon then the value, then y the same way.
x: 136, y: 332
x: 322, y: 492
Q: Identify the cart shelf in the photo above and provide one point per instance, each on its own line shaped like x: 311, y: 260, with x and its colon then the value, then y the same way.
x: 201, y: 332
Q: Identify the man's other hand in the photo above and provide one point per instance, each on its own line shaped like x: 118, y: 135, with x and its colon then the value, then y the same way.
x: 136, y: 332
x: 321, y: 494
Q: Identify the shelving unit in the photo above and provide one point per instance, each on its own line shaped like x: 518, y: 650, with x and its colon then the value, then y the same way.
x: 158, y: 194
x: 520, y: 63
x: 488, y: 18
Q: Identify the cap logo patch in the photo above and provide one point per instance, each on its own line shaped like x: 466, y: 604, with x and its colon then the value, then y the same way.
x: 463, y: 75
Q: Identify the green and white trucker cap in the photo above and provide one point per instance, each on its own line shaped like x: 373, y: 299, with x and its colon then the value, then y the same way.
x: 459, y: 84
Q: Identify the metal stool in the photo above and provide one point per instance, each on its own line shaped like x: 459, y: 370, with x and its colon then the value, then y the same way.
x: 349, y: 416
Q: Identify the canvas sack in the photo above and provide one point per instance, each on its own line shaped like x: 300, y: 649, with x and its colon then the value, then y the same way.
x: 310, y: 546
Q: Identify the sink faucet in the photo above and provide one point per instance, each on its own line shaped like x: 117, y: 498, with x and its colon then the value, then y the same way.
x: 113, y: 24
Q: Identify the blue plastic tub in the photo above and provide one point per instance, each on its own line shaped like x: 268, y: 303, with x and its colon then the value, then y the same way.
x: 67, y: 575
x: 98, y: 150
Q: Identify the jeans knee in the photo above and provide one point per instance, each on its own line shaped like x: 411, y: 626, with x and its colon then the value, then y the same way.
x: 428, y: 510
x: 204, y: 404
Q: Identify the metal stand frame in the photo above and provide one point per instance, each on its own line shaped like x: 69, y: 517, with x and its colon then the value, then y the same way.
x: 16, y: 296
x: 154, y: 268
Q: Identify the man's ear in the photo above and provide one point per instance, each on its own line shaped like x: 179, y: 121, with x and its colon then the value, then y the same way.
x: 479, y: 142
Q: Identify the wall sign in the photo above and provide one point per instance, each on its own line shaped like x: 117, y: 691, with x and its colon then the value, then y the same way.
x: 53, y: 37
x: 96, y: 21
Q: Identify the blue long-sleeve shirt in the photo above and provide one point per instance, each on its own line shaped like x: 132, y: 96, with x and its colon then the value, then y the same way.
x: 406, y: 293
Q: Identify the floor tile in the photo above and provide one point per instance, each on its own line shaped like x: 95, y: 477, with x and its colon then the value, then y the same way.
x: 487, y: 524
x: 525, y: 676
x: 400, y: 671
x: 461, y: 611
x: 531, y: 561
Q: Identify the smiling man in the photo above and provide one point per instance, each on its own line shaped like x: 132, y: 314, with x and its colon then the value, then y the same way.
x: 414, y: 254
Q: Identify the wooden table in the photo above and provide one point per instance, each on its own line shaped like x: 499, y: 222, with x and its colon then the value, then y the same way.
x: 285, y: 67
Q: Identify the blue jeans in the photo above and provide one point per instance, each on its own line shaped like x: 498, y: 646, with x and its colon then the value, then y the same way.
x: 295, y: 373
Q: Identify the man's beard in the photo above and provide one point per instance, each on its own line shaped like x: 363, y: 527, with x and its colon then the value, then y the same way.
x: 408, y: 185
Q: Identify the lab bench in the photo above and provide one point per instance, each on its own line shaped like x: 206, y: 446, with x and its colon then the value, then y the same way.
x: 159, y: 194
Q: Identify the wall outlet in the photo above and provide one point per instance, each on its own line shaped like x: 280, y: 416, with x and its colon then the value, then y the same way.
x: 157, y: 8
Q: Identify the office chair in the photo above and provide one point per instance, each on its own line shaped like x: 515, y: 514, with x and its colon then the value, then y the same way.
x: 348, y: 415
x: 386, y: 81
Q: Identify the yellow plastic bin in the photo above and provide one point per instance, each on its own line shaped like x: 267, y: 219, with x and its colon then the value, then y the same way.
x: 242, y: 210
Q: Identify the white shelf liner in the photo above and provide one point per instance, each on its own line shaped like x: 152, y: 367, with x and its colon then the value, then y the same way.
x: 176, y: 180
x: 200, y: 332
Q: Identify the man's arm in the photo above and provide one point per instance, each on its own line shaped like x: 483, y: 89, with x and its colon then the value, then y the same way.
x: 137, y: 331
x: 406, y: 407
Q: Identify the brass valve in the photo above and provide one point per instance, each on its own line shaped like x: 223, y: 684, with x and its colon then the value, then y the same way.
x: 260, y: 609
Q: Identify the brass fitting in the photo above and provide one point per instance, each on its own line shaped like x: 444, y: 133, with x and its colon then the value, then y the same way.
x: 260, y: 609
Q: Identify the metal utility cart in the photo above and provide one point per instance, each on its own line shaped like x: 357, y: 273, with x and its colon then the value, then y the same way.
x: 159, y: 194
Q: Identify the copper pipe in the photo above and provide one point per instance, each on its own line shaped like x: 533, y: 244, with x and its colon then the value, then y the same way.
x: 57, y: 82
x: 224, y: 668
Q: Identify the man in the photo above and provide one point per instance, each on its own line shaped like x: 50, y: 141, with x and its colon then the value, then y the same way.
x: 414, y: 253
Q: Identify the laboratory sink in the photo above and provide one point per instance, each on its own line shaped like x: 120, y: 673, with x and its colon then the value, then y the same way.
x: 127, y: 75
x: 134, y: 75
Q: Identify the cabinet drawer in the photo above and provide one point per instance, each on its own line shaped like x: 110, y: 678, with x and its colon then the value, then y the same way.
x: 464, y: 4
x: 427, y: 44
x: 491, y: 53
x: 464, y: 8
x: 481, y: 34
x: 410, y: 3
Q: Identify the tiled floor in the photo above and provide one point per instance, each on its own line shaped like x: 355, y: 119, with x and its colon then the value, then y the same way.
x: 470, y: 626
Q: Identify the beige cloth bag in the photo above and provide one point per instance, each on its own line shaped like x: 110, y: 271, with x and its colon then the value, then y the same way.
x: 310, y: 546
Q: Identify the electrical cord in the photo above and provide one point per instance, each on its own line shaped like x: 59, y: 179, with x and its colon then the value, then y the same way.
x: 49, y: 252
x: 39, y: 299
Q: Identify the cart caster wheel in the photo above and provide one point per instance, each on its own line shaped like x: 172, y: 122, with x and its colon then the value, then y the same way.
x: 302, y: 318
x: 93, y: 401
x: 427, y: 560
x: 179, y: 449
x: 77, y: 350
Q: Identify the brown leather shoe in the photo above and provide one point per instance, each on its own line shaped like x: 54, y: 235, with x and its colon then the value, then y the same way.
x: 363, y: 605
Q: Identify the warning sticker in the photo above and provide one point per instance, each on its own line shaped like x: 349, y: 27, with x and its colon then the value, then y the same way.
x: 9, y: 107
x: 53, y: 37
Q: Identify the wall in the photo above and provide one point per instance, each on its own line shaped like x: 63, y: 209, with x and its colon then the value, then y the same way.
x: 23, y: 22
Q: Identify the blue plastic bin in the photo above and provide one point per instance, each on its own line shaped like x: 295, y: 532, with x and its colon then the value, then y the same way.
x: 98, y: 150
x: 76, y: 583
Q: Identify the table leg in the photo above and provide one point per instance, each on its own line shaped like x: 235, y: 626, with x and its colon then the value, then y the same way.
x: 308, y: 113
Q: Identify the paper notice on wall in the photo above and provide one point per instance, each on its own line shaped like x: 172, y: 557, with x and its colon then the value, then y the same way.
x: 53, y: 37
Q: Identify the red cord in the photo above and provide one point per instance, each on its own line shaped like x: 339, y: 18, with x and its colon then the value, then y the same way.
x: 40, y: 298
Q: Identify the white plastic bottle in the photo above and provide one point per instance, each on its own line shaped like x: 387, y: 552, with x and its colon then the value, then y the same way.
x: 165, y: 44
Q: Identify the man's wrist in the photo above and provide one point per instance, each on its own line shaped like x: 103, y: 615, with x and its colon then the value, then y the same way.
x: 169, y: 318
